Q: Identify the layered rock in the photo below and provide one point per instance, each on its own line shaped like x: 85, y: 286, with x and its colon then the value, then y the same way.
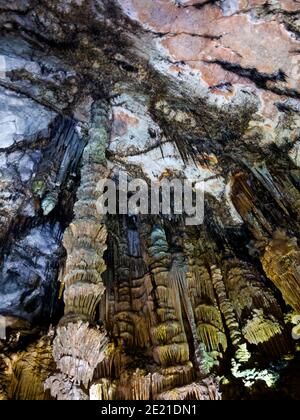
x: 153, y: 308
x: 23, y: 374
x: 79, y: 347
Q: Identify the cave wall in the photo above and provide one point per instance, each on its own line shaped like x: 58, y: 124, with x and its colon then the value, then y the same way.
x: 146, y: 307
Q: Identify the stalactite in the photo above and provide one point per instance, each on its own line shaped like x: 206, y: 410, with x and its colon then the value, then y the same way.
x: 153, y: 308
x: 246, y: 204
x: 28, y: 370
x: 111, y: 364
x: 204, y: 391
x: 168, y: 334
x: 207, y: 315
x: 178, y: 277
x: 164, y: 310
x: 228, y: 313
x: 127, y: 292
x: 5, y: 376
x: 182, y: 302
x: 82, y: 300
x: 85, y: 242
x: 85, y: 239
x: 168, y: 378
x: 257, y: 310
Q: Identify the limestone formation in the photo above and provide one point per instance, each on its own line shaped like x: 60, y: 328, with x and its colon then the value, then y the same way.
x: 281, y: 262
x: 134, y: 306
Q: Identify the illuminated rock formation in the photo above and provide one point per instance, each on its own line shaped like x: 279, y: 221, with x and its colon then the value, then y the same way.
x: 281, y: 262
x: 139, y: 306
x: 79, y: 348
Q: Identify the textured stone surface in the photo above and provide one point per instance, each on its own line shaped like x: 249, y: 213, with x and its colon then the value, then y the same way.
x: 27, y: 289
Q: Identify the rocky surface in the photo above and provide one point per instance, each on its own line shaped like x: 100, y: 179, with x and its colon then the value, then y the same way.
x: 160, y: 89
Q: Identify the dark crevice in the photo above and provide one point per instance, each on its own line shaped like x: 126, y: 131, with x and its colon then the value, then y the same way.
x: 197, y: 6
x: 261, y: 80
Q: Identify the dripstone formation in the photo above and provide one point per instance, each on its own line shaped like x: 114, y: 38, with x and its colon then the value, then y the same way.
x: 136, y: 306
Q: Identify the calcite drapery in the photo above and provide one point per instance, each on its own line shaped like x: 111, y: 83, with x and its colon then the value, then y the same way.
x: 78, y: 347
x: 168, y: 336
x: 24, y: 374
x: 281, y: 262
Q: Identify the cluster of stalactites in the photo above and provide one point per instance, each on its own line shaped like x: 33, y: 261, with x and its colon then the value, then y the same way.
x: 25, y: 372
x: 279, y: 251
x: 128, y: 290
x: 281, y: 262
x: 202, y: 296
x: 168, y: 384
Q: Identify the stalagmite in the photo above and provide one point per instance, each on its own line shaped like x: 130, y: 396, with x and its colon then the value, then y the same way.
x: 168, y: 336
